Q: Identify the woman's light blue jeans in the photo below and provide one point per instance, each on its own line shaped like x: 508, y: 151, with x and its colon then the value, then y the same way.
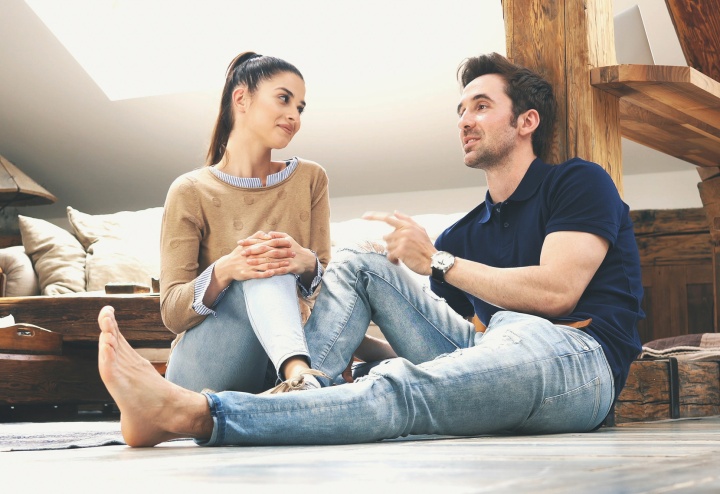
x: 257, y: 321
x: 524, y: 375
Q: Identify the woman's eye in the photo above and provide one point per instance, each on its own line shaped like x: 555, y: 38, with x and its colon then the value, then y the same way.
x: 301, y: 109
x: 284, y: 98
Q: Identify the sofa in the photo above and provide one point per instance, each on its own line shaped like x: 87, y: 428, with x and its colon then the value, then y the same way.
x: 56, y: 282
x: 59, y: 273
x: 122, y: 247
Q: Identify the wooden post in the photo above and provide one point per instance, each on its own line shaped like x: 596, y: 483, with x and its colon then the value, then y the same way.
x: 710, y: 196
x: 697, y: 25
x: 563, y: 40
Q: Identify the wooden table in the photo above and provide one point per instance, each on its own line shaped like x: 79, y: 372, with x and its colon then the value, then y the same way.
x: 71, y: 377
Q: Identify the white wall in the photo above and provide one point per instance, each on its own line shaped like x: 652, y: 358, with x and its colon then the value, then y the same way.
x: 668, y: 190
x: 424, y: 202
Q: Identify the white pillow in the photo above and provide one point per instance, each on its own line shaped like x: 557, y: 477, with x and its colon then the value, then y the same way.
x: 122, y: 247
x: 358, y: 230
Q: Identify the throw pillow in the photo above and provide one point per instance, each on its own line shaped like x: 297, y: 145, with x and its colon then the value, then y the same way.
x: 122, y: 247
x: 21, y: 280
x: 365, y: 234
x: 57, y: 256
x: 354, y: 231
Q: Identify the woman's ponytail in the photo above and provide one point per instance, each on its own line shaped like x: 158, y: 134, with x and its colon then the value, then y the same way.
x: 247, y: 69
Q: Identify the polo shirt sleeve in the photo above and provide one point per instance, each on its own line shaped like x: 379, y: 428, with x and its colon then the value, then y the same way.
x: 584, y: 198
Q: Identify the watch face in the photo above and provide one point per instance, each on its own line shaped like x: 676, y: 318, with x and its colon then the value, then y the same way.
x: 443, y: 260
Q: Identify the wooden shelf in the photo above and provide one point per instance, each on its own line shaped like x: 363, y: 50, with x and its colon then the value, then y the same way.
x: 673, y: 109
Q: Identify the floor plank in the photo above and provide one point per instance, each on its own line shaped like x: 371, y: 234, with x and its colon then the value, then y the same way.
x: 666, y: 456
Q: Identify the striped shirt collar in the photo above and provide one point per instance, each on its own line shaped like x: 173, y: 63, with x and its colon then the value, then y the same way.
x: 254, y: 182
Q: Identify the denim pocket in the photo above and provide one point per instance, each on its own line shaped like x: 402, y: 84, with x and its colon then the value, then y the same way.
x: 574, y: 411
x: 580, y: 337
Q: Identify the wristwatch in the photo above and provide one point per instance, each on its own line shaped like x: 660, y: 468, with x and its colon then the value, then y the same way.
x: 440, y: 263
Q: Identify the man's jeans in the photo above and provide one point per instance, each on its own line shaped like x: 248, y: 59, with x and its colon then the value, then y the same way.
x: 524, y: 375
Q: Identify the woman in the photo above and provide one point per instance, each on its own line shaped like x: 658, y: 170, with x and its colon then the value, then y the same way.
x: 241, y: 237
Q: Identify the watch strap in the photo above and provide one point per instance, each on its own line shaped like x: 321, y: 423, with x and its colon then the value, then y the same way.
x: 438, y: 275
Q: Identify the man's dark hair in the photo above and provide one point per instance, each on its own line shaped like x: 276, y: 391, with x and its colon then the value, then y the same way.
x: 526, y: 89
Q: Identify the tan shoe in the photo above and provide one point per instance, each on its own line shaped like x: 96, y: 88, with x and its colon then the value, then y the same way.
x: 301, y: 382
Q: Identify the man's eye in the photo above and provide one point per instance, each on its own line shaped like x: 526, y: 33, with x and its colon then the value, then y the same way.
x: 482, y: 106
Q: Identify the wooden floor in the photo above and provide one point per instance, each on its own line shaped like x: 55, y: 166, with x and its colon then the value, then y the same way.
x: 656, y: 457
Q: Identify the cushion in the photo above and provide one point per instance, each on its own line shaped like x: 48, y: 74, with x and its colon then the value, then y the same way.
x: 358, y: 230
x: 367, y: 234
x: 57, y: 256
x: 21, y: 280
x: 122, y: 247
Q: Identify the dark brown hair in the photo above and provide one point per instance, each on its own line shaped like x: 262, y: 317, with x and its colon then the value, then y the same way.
x: 526, y: 89
x: 247, y: 69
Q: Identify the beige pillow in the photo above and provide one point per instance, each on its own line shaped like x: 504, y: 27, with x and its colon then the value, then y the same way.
x: 57, y: 256
x: 121, y: 247
x: 21, y: 280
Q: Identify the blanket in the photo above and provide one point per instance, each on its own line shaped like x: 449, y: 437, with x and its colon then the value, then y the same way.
x: 702, y: 346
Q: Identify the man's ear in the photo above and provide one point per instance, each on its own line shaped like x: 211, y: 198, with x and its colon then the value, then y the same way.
x: 528, y: 121
x: 240, y: 98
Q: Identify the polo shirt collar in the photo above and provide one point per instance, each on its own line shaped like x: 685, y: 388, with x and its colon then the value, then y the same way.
x: 534, y: 176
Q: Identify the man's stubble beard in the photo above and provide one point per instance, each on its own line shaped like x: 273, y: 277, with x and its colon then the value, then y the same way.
x: 495, y: 156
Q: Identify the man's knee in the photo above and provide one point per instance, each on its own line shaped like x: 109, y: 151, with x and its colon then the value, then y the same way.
x: 361, y: 257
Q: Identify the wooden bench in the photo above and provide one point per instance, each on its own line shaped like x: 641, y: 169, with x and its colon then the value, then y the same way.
x: 668, y: 389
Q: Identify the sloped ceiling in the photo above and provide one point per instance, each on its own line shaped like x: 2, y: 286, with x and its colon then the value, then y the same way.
x: 381, y: 93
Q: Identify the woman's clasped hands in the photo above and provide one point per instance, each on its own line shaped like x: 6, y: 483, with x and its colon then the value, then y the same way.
x: 266, y: 254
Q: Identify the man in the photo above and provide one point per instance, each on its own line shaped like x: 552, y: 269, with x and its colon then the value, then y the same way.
x: 548, y: 263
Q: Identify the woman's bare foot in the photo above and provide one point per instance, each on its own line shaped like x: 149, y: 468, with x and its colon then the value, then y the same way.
x: 152, y: 410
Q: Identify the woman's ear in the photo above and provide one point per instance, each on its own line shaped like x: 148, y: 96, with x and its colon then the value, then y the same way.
x: 528, y: 121
x: 240, y: 98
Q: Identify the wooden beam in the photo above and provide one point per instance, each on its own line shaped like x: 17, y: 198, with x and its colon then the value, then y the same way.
x: 673, y: 109
x: 563, y: 40
x: 697, y: 25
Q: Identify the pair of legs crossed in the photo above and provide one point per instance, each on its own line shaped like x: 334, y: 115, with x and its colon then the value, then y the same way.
x: 523, y: 375
x: 257, y: 323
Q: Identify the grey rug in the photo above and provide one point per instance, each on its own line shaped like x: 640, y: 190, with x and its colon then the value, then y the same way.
x: 28, y: 436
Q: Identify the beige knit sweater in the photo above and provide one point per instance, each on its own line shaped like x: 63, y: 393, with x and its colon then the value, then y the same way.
x: 204, y: 218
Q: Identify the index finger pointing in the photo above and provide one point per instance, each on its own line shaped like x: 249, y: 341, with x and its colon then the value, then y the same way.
x: 388, y: 218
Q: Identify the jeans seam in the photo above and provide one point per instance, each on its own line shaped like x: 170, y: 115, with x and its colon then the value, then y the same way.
x: 326, y: 350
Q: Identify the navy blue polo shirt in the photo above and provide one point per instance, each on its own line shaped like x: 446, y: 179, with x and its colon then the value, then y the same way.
x: 574, y: 196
